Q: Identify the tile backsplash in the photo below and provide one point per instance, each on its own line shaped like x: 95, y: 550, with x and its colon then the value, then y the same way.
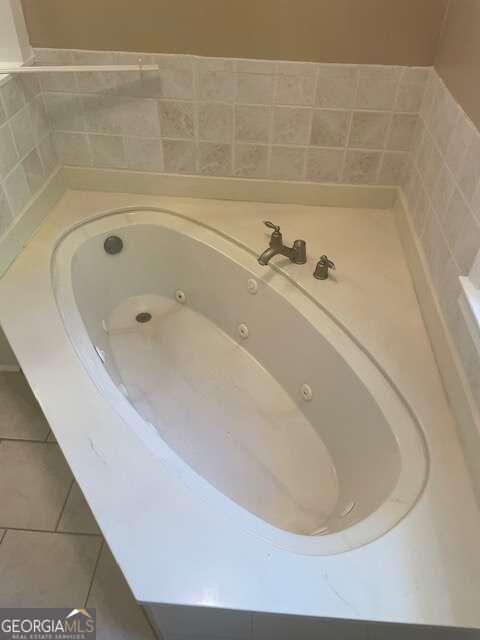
x: 27, y: 154
x: 442, y: 188
x: 226, y: 117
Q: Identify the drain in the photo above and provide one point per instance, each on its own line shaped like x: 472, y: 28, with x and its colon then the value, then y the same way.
x: 113, y: 245
x: 143, y: 317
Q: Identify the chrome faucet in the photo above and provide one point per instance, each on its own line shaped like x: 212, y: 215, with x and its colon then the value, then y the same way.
x: 297, y: 253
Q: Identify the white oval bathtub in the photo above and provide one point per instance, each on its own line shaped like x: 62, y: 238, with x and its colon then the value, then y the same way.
x: 218, y: 382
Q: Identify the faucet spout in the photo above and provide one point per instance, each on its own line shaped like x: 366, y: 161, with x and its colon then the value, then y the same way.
x: 297, y: 253
x: 267, y: 255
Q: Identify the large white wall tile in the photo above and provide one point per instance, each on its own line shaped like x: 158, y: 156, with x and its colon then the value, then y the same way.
x: 176, y: 76
x: 72, y: 148
x: 179, y: 156
x: 6, y: 217
x: 12, y: 96
x: 287, y: 163
x: 144, y: 154
x: 107, y: 151
x: 336, y: 86
x: 17, y: 190
x: 361, y: 167
x: 252, y: 123
x: 215, y: 121
x: 393, y: 168
x: 34, y: 172
x: 8, y: 152
x: 22, y: 130
x: 214, y: 159
x: 176, y: 119
x: 251, y: 161
x: 291, y: 125
x: 330, y: 128
x: 214, y: 79
x: 295, y: 83
x: 325, y: 165
x: 369, y: 130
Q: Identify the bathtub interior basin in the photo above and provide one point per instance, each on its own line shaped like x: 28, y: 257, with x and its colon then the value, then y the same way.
x: 263, y: 401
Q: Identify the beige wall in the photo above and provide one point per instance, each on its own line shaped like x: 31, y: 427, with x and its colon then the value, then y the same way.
x: 458, y: 54
x: 361, y: 31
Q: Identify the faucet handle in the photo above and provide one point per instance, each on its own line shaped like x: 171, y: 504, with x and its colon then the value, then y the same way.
x: 330, y: 264
x: 270, y: 225
x: 322, y: 268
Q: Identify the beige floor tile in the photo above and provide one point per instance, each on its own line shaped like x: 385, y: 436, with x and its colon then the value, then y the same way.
x: 20, y: 415
x: 34, y: 483
x: 118, y: 615
x: 77, y: 517
x: 40, y: 569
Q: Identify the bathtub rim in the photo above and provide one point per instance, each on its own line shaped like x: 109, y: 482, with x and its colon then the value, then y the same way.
x: 407, y: 490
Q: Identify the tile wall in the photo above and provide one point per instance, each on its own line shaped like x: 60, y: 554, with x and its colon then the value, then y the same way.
x: 226, y: 117
x: 27, y: 154
x: 442, y: 189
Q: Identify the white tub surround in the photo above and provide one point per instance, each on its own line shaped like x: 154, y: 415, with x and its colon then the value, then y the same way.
x: 157, y: 525
x: 442, y: 192
x: 351, y: 124
x: 232, y: 189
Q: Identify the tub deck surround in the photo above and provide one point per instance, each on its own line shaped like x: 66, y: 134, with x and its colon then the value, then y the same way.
x: 176, y: 549
x: 239, y: 412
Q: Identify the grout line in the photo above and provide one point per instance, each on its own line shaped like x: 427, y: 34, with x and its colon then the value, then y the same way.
x: 30, y: 440
x: 64, y: 505
x: 243, y: 143
x: 94, y: 573
x: 349, y: 132
x: 270, y: 139
x: 149, y: 623
x: 316, y: 83
x: 60, y: 533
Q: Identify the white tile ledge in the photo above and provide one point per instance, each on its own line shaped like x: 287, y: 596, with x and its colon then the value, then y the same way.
x: 4, y: 78
x: 469, y: 302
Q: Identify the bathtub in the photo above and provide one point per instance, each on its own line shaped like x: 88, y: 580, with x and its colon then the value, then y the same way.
x: 239, y: 383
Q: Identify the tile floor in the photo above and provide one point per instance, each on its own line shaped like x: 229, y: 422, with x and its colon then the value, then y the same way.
x: 51, y: 551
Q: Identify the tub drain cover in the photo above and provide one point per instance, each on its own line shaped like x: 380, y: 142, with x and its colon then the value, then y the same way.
x: 113, y: 245
x: 143, y: 317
